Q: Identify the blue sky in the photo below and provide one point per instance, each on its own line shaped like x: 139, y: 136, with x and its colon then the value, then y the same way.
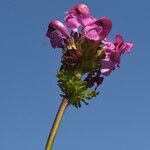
x: 118, y: 119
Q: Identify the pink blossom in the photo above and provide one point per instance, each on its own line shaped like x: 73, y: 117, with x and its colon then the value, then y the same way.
x: 72, y: 22
x: 56, y: 39
x: 57, y: 32
x: 78, y: 16
x: 122, y: 46
x: 80, y: 9
x: 113, y: 52
x: 93, y: 29
x: 98, y: 29
x: 57, y: 25
x: 107, y: 66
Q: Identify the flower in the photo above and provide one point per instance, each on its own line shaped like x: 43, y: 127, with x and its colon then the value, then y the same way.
x: 57, y: 32
x: 80, y: 9
x: 98, y: 29
x: 72, y: 22
x: 93, y: 29
x: 78, y: 16
x: 113, y: 53
x: 56, y: 39
x: 87, y: 55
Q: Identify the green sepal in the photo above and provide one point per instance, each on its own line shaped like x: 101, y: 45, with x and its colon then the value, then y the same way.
x: 74, y: 88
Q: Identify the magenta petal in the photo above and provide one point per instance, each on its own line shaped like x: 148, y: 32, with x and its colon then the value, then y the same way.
x: 83, y: 9
x: 109, y: 47
x: 87, y: 20
x: 121, y: 46
x: 128, y: 46
x: 92, y: 32
x: 80, y: 9
x: 118, y: 38
x: 72, y: 22
x: 106, y: 24
x: 106, y: 67
x: 57, y: 32
x: 56, y: 39
x: 57, y: 25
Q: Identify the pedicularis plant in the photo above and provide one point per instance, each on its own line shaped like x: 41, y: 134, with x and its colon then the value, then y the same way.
x: 87, y: 57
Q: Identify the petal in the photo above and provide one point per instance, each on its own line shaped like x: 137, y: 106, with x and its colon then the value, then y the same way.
x: 80, y: 9
x: 128, y: 47
x: 72, y: 22
x: 83, y: 9
x: 109, y: 47
x: 106, y: 67
x: 119, y: 43
x: 92, y: 32
x: 56, y: 39
x: 57, y: 25
x: 121, y: 46
x: 106, y: 24
x: 82, y: 14
x: 118, y: 38
x: 87, y: 20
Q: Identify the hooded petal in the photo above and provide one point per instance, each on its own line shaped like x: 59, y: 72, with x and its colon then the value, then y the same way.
x: 57, y: 32
x: 92, y: 32
x: 98, y: 30
x: 80, y: 9
x: 106, y: 25
x: 56, y: 39
x: 87, y: 20
x: 78, y: 16
x: 57, y: 25
x: 83, y: 9
x: 72, y: 22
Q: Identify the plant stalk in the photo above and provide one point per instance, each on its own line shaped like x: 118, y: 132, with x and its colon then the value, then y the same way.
x: 56, y: 124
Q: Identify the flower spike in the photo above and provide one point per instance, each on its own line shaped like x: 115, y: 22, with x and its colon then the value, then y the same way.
x: 87, y: 57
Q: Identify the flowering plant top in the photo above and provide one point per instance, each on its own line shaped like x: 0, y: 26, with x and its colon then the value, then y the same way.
x: 87, y: 55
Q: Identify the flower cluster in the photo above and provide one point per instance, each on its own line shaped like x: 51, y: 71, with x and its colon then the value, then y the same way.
x: 87, y: 54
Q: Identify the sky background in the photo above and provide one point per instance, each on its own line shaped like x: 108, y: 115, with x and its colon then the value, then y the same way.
x: 117, y: 119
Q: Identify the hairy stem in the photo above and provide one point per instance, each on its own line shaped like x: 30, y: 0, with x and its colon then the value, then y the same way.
x: 56, y: 124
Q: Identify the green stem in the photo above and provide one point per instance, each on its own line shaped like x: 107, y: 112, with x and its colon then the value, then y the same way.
x: 56, y: 123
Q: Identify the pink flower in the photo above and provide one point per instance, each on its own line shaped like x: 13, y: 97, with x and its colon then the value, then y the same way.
x: 98, y: 29
x: 121, y: 46
x: 87, y: 55
x: 57, y: 25
x: 93, y: 29
x: 80, y: 9
x: 72, y: 22
x: 56, y: 39
x: 57, y: 32
x: 113, y: 52
x: 106, y: 67
x: 78, y: 16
